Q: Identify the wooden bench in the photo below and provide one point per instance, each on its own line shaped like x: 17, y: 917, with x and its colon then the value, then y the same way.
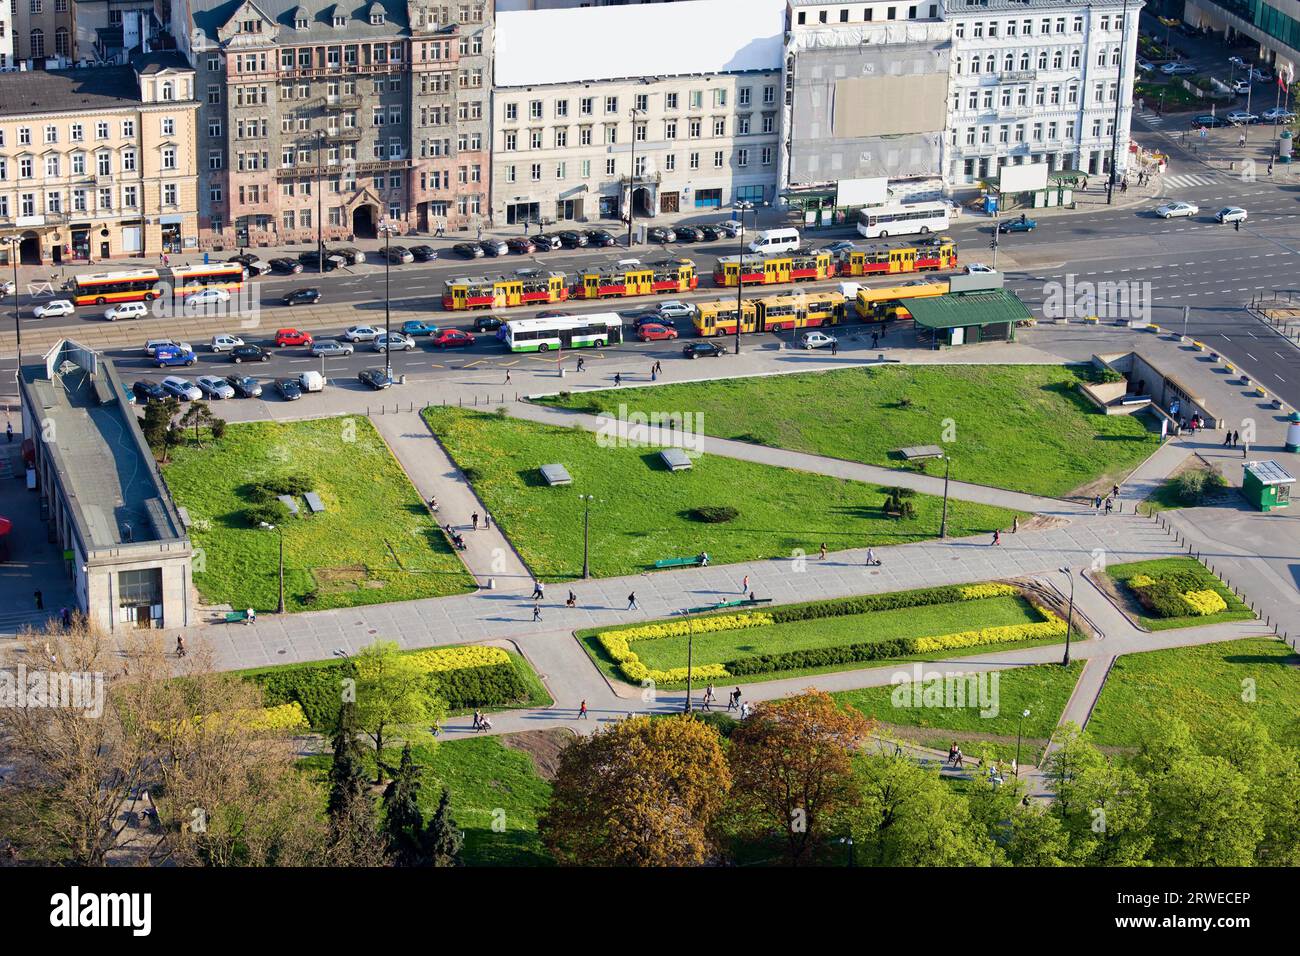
x: 677, y: 562
x: 234, y: 617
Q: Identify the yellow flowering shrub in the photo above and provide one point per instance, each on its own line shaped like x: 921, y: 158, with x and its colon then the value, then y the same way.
x: 700, y: 625
x: 288, y: 717
x: 440, y: 659
x: 617, y: 644
x: 637, y: 672
x: 973, y: 592
x: 1205, y: 602
x: 1141, y: 581
x: 1053, y: 626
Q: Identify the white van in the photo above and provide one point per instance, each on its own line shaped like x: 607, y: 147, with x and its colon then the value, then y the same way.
x: 311, y: 381
x: 775, y: 240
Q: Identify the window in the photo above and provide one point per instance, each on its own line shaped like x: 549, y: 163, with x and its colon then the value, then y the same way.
x: 610, y: 167
x: 742, y: 96
x: 535, y: 172
x: 169, y: 157
x: 128, y: 160
x: 742, y: 157
x: 512, y: 111
x: 694, y: 162
x: 611, y: 104
x: 695, y: 99
x: 719, y: 127
x: 130, y: 197
x: 51, y: 166
x: 37, y: 43
x: 535, y: 109
x: 561, y: 108
x: 103, y: 164
x: 641, y: 102
x: 168, y: 126
x: 587, y: 105
x: 670, y: 101
x: 717, y: 159
x: 78, y: 165
x: 670, y: 162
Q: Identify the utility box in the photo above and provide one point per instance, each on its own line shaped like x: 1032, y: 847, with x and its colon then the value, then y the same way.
x: 1267, y: 485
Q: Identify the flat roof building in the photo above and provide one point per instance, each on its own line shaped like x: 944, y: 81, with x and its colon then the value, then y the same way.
x: 105, y: 502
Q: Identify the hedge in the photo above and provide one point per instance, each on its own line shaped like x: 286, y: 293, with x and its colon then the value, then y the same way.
x: 1204, y: 603
x: 287, y: 717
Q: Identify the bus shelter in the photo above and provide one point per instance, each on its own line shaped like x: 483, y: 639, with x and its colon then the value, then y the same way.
x: 967, y: 318
x: 1061, y: 184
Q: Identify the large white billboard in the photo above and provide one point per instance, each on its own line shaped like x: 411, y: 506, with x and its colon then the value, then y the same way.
x: 1023, y: 179
x: 862, y: 192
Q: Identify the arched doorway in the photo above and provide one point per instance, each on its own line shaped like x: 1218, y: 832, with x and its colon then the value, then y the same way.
x: 642, y: 202
x: 29, y: 249
x: 363, y: 222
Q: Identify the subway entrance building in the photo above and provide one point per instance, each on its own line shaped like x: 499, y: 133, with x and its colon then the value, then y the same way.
x: 968, y: 317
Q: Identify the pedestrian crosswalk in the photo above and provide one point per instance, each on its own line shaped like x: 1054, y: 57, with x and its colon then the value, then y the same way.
x: 1151, y: 119
x: 1188, y: 180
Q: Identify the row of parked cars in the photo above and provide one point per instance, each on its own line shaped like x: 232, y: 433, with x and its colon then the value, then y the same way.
x: 221, y: 387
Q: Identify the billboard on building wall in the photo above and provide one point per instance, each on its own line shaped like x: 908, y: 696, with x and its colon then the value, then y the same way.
x: 862, y: 192
x: 1023, y: 179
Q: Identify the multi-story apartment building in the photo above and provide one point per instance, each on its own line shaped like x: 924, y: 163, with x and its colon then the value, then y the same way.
x: 6, y: 34
x: 674, y: 119
x: 44, y: 28
x: 1273, y: 24
x: 319, y: 119
x: 111, y: 30
x: 1039, y: 81
x: 98, y: 162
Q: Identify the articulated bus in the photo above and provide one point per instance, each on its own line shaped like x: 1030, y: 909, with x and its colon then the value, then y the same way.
x: 564, y: 332
x: 145, y: 285
x: 799, y: 266
x: 881, y: 305
x: 775, y: 313
x: 524, y: 288
x: 880, y: 222
x: 886, y: 259
x: 186, y: 280
x: 665, y: 275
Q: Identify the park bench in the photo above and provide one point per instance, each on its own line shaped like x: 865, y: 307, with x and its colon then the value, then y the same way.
x: 234, y: 617
x: 289, y: 503
x: 314, y: 503
x: 677, y: 562
x: 723, y: 605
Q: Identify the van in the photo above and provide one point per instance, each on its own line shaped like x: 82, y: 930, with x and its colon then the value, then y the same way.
x: 775, y: 240
x: 312, y: 381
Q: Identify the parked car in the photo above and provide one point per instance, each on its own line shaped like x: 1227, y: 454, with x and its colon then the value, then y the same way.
x: 361, y: 333
x: 687, y: 234
x: 816, y: 340
x: 214, y: 386
x: 254, y: 266
x: 672, y: 309
x: 1241, y: 117
x: 182, y: 388
x: 1240, y: 87
x: 146, y: 391
x: 694, y: 350
x: 331, y: 348
x: 656, y: 234
x: 376, y: 378
x: 7, y: 287
x: 1146, y: 66
x: 1231, y: 214
x: 249, y: 353
x: 711, y: 233
x: 417, y: 327
x: 153, y: 345
x: 424, y: 253
x: 289, y: 389
x: 329, y: 264
x: 1274, y: 114
x: 468, y: 250
x: 312, y: 381
x: 1261, y: 74
x: 244, y: 386
x: 520, y: 247
x: 309, y: 296
x: 841, y: 246
x: 349, y: 254
x: 285, y: 266
x: 978, y: 267
x: 572, y: 239
x: 398, y: 255
x: 544, y: 242
x: 291, y: 337
x: 1173, y: 68
x: 494, y: 247
x: 224, y: 343
x: 730, y: 228
x: 653, y: 332
x: 1237, y: 61
x: 171, y: 357
x: 1208, y: 120
x: 452, y: 339
x: 127, y: 310
x: 1171, y: 210
x: 1021, y: 223
x: 54, y: 307
x: 600, y: 238
x: 487, y: 323
x: 396, y: 342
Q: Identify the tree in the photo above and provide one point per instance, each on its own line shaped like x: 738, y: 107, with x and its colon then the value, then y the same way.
x: 403, y: 821
x: 1204, y: 815
x: 442, y: 840
x: 1036, y: 838
x: 354, y: 837
x: 347, y: 775
x: 1103, y: 808
x: 157, y: 425
x: 196, y: 416
x: 643, y: 792
x: 393, y: 692
x: 792, y: 768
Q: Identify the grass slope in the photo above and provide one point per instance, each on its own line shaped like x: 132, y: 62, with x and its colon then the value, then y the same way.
x: 641, y: 511
x: 1021, y: 427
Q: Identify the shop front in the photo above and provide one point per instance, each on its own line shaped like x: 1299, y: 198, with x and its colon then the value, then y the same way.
x: 172, y: 241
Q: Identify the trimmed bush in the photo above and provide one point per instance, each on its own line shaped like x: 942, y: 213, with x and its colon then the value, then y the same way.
x: 272, y: 512
x: 719, y: 514
x: 1204, y: 603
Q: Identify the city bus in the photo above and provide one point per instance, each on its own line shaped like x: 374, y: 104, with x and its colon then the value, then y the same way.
x: 880, y: 222
x: 526, y: 287
x: 667, y: 275
x: 564, y: 332
x: 186, y: 280
x: 755, y: 269
x: 776, y: 313
x: 881, y: 305
x: 883, y: 259
x: 100, y: 288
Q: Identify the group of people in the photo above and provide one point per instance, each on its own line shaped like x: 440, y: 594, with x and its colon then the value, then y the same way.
x: 1231, y: 438
x: 456, y: 537
x: 481, y: 721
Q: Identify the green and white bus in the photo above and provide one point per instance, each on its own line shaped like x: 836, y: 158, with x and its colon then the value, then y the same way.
x: 564, y: 332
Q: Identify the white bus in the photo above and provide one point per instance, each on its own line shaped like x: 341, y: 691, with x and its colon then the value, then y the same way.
x: 901, y: 220
x: 564, y: 332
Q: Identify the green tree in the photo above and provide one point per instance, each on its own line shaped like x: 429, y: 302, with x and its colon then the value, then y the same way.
x: 1036, y: 838
x: 403, y: 821
x: 394, y: 693
x: 1274, y: 775
x: 347, y: 776
x: 1204, y: 815
x: 196, y: 416
x: 159, y: 432
x: 442, y: 839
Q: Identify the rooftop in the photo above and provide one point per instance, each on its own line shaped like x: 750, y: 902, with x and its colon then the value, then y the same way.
x: 690, y: 37
x: 968, y: 308
x: 88, y: 88
x: 115, y: 495
x: 211, y: 15
x: 1269, y: 472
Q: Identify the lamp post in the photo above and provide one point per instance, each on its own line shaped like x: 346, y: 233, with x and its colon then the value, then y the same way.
x: 387, y: 229
x: 631, y: 182
x: 586, y: 535
x: 1119, y: 101
x: 742, y: 206
x: 849, y: 841
x: 1069, y: 618
x: 690, y: 657
x: 270, y: 527
x: 14, y: 247
x: 943, y: 521
x: 1019, y: 730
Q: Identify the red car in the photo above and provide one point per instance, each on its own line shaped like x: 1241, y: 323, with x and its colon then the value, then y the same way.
x: 452, y: 338
x: 651, y: 332
x: 292, y: 337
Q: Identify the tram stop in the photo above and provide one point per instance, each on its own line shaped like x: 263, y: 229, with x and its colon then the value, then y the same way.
x: 1267, y: 485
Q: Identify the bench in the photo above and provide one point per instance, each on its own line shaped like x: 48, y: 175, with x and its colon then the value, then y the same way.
x: 234, y: 617
x: 918, y: 452
x: 289, y: 503
x: 722, y: 605
x: 677, y: 562
x: 314, y: 504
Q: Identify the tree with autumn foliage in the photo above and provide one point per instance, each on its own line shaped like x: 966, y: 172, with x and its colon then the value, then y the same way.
x: 791, y: 763
x: 643, y: 792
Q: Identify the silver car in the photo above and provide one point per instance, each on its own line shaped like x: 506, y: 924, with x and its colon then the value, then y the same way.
x: 331, y: 348
x: 397, y: 342
x: 214, y: 387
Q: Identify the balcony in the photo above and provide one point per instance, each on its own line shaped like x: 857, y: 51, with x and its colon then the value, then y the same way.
x: 343, y: 101
x: 347, y: 135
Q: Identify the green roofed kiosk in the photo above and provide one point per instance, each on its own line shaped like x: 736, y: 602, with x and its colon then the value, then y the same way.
x: 1267, y: 485
x: 966, y: 318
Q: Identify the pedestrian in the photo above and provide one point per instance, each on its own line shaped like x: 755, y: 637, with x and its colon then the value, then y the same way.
x: 871, y: 557
x: 1110, y: 503
x: 1236, y: 437
x: 823, y: 550
x: 166, y: 260
x: 952, y: 753
x: 875, y: 339
x: 582, y: 711
x: 66, y: 617
x: 1270, y: 167
x: 1227, y: 439
x: 479, y: 235
x: 1085, y: 184
x: 507, y: 381
x: 250, y: 616
x: 659, y: 366
x: 180, y: 646
x: 733, y: 699
x: 9, y: 431
x: 1241, y: 139
x: 433, y: 503
x: 835, y: 347
x: 40, y: 600
x: 478, y: 718
x: 572, y: 600
x: 997, y: 536
x: 744, y: 584
x: 487, y: 521
x: 631, y: 602
x: 1096, y: 502
x: 1015, y: 524
x: 537, y: 612
x: 618, y: 379
x: 539, y: 591
x: 653, y: 375
x: 957, y: 762
x: 581, y: 363
x: 474, y: 520
x: 1236, y: 225
x: 1114, y: 491
x: 707, y: 703
x: 1123, y: 186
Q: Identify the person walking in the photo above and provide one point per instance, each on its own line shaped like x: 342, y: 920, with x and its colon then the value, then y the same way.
x: 1114, y: 491
x: 582, y: 711
x: 539, y: 591
x: 507, y: 381
x: 823, y: 550
x: 952, y: 754
x: 1015, y: 524
x: 1110, y: 504
x: 478, y: 718
x: 1236, y: 225
x: 40, y: 599
x: 871, y: 557
x: 537, y: 612
x: 474, y: 520
x: 659, y: 366
x: 732, y: 698
x: 707, y: 702
x: 835, y: 347
x: 1227, y: 438
x: 180, y: 646
x: 957, y: 761
x: 487, y: 521
x: 571, y: 600
x: 9, y: 431
x: 618, y: 379
x: 744, y: 584
x: 631, y: 602
x: 997, y: 536
x: 875, y: 339
x: 581, y: 364
x: 654, y: 376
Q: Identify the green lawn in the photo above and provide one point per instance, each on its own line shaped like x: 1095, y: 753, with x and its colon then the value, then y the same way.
x: 375, y: 542
x: 1236, y: 611
x: 1043, y: 689
x: 1205, y: 686
x: 642, y: 511
x: 1022, y: 427
x: 1176, y: 96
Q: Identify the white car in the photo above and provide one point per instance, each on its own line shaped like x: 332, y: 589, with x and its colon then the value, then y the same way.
x: 397, y: 342
x: 127, y: 310
x: 975, y: 267
x: 153, y: 345
x: 1239, y: 117
x: 1171, y: 210
x: 56, y: 307
x: 675, y: 310
x: 1177, y: 69
x: 361, y: 333
x: 1261, y: 76
x: 1231, y: 214
x: 224, y: 343
x: 1240, y: 86
x: 214, y: 386
x: 213, y: 295
x: 182, y: 388
x: 258, y: 267
x: 1276, y: 114
x: 1237, y: 61
x: 7, y: 287
x: 1146, y: 66
x: 816, y: 340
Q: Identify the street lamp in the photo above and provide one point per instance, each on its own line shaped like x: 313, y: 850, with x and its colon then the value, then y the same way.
x: 848, y: 840
x: 943, y: 522
x: 1069, y: 618
x: 387, y: 229
x: 15, y: 246
x: 690, y: 656
x: 1019, y: 730
x: 270, y: 527
x: 631, y: 182
x: 741, y: 206
x: 586, y: 533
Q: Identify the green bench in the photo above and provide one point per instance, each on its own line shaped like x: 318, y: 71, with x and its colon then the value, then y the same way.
x: 723, y: 605
x: 234, y: 617
x: 677, y: 562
